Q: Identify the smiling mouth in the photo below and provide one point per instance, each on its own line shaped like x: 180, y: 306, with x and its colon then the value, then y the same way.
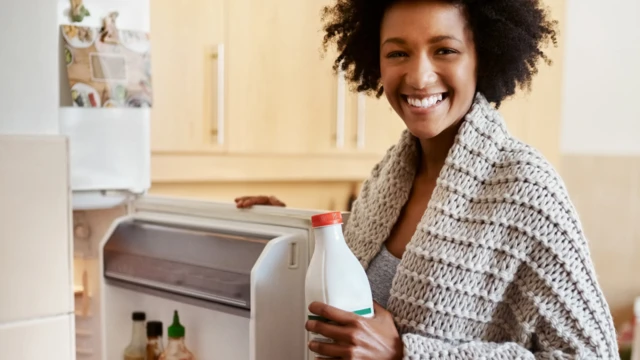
x: 425, y: 102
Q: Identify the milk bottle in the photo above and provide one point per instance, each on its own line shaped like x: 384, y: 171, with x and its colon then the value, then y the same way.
x: 335, y: 276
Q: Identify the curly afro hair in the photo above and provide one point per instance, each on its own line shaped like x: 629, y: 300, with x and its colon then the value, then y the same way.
x: 508, y: 36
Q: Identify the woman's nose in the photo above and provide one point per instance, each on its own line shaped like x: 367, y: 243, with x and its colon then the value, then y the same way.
x: 421, y: 74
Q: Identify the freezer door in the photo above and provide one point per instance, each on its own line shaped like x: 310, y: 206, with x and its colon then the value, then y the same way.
x: 197, y: 256
x: 198, y: 249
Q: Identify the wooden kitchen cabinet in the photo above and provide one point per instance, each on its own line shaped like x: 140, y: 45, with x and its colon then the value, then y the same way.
x: 278, y: 110
x: 281, y: 92
x: 185, y: 38
x: 279, y: 113
x: 373, y: 125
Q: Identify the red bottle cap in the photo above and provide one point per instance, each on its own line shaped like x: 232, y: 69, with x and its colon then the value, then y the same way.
x: 326, y: 219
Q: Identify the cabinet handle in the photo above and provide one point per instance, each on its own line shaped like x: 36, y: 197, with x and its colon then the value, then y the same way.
x: 361, y: 119
x: 217, y: 122
x: 340, y: 102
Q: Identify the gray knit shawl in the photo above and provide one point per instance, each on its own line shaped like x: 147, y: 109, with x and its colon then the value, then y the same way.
x: 498, y: 267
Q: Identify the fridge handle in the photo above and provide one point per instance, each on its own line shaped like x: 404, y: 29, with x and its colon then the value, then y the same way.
x: 361, y: 120
x: 217, y: 122
x: 340, y: 108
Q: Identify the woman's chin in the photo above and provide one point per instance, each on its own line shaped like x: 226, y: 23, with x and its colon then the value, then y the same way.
x: 425, y: 132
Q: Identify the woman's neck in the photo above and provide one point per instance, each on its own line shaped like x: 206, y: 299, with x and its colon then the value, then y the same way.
x: 434, y: 152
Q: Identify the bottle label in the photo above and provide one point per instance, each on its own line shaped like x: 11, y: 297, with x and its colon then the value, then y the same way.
x: 363, y: 312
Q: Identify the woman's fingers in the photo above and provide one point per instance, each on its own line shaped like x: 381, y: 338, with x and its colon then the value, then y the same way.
x: 249, y: 201
x: 275, y: 201
x: 334, y: 314
x: 335, y: 351
x: 338, y: 333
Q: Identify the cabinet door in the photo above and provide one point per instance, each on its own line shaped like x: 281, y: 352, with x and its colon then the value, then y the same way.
x: 374, y: 125
x: 185, y: 62
x: 535, y: 117
x: 281, y: 91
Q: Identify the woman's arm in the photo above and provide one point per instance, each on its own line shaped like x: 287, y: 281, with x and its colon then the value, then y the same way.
x: 560, y: 309
x: 418, y: 347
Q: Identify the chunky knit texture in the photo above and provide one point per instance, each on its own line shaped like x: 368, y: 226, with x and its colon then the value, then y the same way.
x: 499, y: 267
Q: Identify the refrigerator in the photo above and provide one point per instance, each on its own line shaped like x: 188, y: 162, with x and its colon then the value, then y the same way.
x: 109, y: 139
x: 235, y: 277
x: 36, y: 300
x: 86, y: 245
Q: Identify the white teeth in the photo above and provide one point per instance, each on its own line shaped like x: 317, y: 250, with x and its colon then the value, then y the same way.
x: 424, y: 102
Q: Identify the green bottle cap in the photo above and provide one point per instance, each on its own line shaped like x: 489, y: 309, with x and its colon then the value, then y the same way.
x: 176, y: 330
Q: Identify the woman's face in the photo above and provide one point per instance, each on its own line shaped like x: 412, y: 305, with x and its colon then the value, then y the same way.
x: 427, y: 64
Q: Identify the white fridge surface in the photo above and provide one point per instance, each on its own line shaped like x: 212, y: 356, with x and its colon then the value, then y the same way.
x: 132, y: 14
x: 109, y: 148
x: 35, y: 222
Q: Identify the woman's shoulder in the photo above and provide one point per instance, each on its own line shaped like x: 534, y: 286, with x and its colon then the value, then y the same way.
x: 522, y: 162
x: 523, y: 176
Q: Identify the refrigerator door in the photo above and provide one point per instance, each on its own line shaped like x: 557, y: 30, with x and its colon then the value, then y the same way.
x: 237, y: 276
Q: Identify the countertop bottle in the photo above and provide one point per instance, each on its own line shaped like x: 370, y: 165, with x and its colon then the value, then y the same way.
x: 154, y: 340
x: 136, y: 350
x: 176, y: 348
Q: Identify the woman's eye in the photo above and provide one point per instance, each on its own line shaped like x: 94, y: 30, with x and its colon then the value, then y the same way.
x: 446, y: 51
x: 395, y: 54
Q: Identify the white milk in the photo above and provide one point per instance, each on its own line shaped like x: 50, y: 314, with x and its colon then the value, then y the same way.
x: 335, y: 276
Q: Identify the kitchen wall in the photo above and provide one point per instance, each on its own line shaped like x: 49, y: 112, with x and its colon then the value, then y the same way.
x: 29, y: 93
x: 600, y: 146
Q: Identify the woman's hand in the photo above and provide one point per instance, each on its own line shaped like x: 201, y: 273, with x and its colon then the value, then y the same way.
x: 248, y: 201
x: 356, y: 337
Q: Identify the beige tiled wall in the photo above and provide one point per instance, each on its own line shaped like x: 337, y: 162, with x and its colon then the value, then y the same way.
x: 606, y: 192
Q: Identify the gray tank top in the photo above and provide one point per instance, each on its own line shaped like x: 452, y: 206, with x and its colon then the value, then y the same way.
x: 381, y: 271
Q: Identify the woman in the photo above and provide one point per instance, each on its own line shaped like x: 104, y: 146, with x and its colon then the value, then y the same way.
x: 472, y: 246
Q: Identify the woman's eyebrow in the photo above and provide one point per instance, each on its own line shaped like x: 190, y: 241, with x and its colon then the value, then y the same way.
x: 433, y: 40
x: 440, y: 38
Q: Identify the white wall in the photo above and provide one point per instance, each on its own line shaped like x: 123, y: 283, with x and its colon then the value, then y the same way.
x: 601, y: 109
x: 29, y: 92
